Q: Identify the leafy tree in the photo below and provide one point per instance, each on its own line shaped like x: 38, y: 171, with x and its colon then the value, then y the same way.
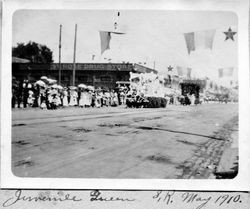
x: 36, y: 53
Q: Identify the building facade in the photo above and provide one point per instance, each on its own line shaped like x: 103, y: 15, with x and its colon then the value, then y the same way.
x: 103, y: 75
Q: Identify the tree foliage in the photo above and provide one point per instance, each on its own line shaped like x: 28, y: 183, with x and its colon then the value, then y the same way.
x: 36, y: 53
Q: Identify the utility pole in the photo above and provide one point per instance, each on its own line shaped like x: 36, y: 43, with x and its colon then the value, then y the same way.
x: 74, y: 58
x: 154, y: 65
x: 60, y: 46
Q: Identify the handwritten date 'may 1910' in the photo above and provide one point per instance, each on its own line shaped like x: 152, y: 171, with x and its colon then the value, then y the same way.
x: 198, y: 199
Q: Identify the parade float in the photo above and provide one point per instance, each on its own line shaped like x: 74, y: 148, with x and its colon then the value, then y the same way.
x: 150, y: 90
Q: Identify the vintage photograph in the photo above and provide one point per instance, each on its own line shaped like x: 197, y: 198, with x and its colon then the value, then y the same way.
x: 124, y: 94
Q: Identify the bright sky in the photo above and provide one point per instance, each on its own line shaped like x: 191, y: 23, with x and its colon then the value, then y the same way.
x: 151, y: 36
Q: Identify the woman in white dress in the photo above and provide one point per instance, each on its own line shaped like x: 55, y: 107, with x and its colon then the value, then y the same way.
x: 89, y: 98
x: 31, y: 98
x: 73, y: 98
x: 192, y: 99
x: 82, y: 98
x: 65, y: 97
x: 98, y: 99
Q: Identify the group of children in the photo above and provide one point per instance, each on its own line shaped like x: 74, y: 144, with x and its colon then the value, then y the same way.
x: 52, y: 97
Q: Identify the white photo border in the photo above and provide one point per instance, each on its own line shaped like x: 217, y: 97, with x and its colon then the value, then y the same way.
x: 240, y: 183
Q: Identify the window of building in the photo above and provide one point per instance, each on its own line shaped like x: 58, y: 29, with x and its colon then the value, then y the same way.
x: 83, y: 78
x: 105, y: 78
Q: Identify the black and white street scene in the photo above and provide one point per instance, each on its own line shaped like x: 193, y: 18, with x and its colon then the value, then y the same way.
x: 124, y: 94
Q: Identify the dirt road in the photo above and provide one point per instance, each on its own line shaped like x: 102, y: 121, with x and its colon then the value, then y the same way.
x: 175, y: 142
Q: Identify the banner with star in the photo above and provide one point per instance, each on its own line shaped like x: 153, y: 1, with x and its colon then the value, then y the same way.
x: 199, y: 39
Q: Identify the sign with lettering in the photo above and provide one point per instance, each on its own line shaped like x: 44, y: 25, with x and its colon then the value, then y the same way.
x: 93, y: 66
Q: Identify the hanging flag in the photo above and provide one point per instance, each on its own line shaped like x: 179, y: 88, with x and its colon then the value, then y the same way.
x: 189, y: 70
x: 179, y: 70
x: 189, y: 37
x: 203, y: 39
x: 105, y: 40
x: 211, y: 84
x: 228, y: 72
x: 216, y: 87
x: 93, y: 57
x: 220, y: 70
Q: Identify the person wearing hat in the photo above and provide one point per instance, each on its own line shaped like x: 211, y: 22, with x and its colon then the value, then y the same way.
x: 98, y: 98
x: 54, y: 101
x: 26, y: 86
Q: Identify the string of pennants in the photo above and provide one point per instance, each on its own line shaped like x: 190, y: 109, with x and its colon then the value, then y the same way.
x: 225, y: 72
x: 194, y: 40
x: 186, y: 71
x: 204, y: 39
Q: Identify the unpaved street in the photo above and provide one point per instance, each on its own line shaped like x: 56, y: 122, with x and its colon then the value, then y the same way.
x: 175, y: 142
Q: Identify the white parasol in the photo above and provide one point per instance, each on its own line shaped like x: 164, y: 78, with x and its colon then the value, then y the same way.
x: 59, y: 87
x: 54, y: 86
x: 40, y: 83
x: 51, y: 81
x: 91, y: 88
x: 44, y: 78
x: 72, y: 88
x: 82, y: 86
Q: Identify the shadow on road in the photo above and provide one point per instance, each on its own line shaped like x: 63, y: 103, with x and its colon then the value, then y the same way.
x: 180, y: 132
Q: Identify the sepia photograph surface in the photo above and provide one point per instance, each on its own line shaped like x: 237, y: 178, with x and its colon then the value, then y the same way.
x: 125, y: 94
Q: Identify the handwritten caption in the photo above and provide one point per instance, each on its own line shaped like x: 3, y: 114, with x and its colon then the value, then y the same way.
x: 169, y: 198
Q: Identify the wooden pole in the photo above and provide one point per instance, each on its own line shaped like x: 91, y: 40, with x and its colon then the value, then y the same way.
x: 74, y: 58
x: 60, y: 46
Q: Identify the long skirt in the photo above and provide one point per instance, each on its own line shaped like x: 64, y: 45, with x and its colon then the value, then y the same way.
x: 65, y: 101
x: 73, y: 101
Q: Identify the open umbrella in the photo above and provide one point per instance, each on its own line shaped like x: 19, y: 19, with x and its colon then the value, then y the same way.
x: 59, y: 87
x: 40, y: 83
x: 44, y: 78
x: 82, y: 86
x: 51, y: 81
x: 54, y: 86
x: 91, y: 88
x: 72, y: 88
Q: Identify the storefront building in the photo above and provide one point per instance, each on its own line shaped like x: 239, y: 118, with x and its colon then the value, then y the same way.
x: 104, y: 75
